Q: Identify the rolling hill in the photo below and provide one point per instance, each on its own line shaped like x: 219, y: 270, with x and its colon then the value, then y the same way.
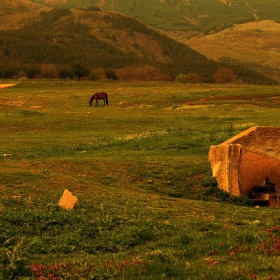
x: 255, y: 45
x: 95, y: 39
x: 193, y: 23
x: 19, y: 13
x: 188, y: 15
x: 101, y: 41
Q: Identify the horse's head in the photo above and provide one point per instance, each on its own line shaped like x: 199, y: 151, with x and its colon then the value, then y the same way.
x: 90, y: 103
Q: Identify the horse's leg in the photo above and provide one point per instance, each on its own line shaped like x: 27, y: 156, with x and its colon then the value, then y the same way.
x: 96, y: 103
x: 103, y: 101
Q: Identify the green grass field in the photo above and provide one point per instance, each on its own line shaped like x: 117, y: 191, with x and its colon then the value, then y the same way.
x: 139, y: 167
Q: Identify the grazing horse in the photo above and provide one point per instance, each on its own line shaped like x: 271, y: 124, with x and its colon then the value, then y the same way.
x: 99, y: 96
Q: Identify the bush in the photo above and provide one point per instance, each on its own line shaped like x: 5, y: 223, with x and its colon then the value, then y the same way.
x: 221, y: 195
x: 181, y: 78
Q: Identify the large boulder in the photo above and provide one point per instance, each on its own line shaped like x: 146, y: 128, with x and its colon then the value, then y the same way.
x: 248, y: 160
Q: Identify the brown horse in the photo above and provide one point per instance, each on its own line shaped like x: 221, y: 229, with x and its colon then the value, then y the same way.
x: 99, y: 96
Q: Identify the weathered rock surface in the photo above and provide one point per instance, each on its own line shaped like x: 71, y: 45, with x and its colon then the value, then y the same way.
x: 225, y: 162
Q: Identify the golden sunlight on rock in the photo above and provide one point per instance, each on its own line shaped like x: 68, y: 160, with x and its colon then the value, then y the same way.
x: 68, y: 201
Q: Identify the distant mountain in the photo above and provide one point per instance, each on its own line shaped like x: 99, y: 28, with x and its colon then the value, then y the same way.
x: 192, y: 22
x: 187, y: 15
x: 106, y: 43
x: 96, y: 40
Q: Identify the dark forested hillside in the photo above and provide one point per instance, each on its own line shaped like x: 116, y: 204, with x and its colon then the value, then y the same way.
x: 65, y: 38
x: 95, y: 44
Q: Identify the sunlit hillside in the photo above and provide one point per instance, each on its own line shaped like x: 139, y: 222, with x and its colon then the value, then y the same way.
x: 19, y: 13
x: 191, y: 15
x: 253, y: 44
x: 107, y: 39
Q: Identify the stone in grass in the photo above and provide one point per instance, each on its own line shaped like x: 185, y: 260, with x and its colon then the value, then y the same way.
x: 7, y: 155
x: 68, y: 201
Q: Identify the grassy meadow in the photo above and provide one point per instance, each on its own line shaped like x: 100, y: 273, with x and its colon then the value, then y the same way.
x: 149, y: 208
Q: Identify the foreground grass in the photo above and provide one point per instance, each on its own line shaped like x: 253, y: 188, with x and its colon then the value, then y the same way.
x: 139, y: 168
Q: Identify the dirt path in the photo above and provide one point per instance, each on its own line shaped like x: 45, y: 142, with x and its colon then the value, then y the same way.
x: 6, y: 85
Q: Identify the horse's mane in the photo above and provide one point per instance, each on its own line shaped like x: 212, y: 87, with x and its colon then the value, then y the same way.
x: 91, y: 98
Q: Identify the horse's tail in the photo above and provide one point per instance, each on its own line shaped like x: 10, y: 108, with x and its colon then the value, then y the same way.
x: 106, y: 99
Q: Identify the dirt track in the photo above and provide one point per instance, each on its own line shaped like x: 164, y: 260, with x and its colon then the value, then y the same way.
x: 6, y: 85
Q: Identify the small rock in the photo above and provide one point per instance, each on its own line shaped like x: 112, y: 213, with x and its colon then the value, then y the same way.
x: 68, y: 201
x: 7, y: 155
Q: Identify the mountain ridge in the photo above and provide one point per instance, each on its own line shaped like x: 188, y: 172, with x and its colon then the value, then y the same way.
x: 191, y: 22
x: 192, y: 15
